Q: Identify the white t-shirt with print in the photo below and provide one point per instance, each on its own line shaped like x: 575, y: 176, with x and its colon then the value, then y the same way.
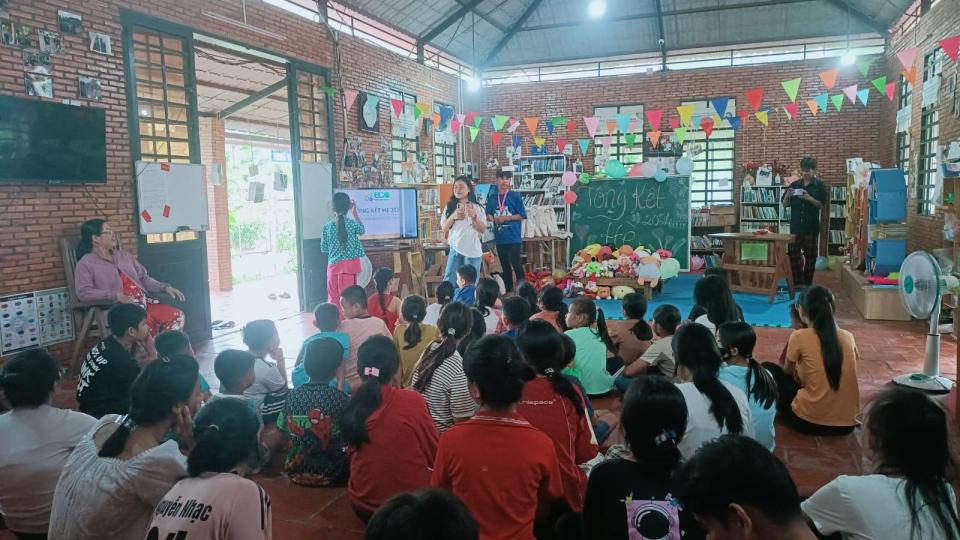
x: 214, y: 506
x: 702, y: 427
x: 463, y: 237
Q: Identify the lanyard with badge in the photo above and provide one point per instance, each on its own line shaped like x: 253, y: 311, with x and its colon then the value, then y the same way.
x: 502, y: 203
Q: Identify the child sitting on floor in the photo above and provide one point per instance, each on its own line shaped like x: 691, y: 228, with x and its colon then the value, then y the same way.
x: 358, y: 325
x: 488, y: 292
x: 444, y: 297
x: 633, y: 335
x: 552, y: 308
x: 235, y: 370
x: 658, y: 358
x: 737, y: 340
x: 466, y: 285
x: 528, y: 292
x: 270, y: 386
x: 516, y: 313
x: 173, y: 342
x: 411, y: 336
x: 310, y: 420
x: 588, y: 329
x: 326, y: 317
x: 383, y: 304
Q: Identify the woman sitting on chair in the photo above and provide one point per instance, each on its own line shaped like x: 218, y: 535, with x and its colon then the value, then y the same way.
x: 104, y: 273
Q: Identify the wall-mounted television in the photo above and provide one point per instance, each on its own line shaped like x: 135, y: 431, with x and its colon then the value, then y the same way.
x: 386, y: 213
x: 41, y: 141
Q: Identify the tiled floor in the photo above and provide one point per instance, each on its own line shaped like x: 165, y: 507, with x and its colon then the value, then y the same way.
x: 888, y: 349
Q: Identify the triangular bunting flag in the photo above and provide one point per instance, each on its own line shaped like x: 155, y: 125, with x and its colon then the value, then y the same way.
x: 474, y: 131
x: 424, y: 108
x: 890, y: 90
x: 532, y: 122
x: 514, y: 124
x: 495, y: 137
x: 837, y: 101
x: 686, y: 114
x: 863, y: 96
x: 734, y: 122
x: 446, y: 114
x: 462, y: 118
x: 755, y: 98
x: 829, y: 78
x: 655, y: 117
x: 416, y: 112
x: 455, y: 126
x: 763, y: 117
x: 592, y: 122
x: 813, y: 106
x: 571, y: 128
x: 559, y: 120
x: 654, y: 138
x: 681, y: 133
x: 910, y: 75
x: 821, y: 100
x: 880, y: 83
x: 707, y: 126
x: 720, y: 105
x: 673, y: 122
x: 517, y: 139
x: 561, y: 146
x: 499, y: 121
x: 468, y: 119
x: 477, y: 122
x: 791, y: 87
x: 584, y: 145
x: 349, y: 97
x: 606, y: 142
x: 793, y: 109
x: 623, y: 123
x: 863, y: 66
x: 611, y: 127
x: 717, y: 121
x: 550, y: 127
x: 851, y: 93
x: 907, y: 57
x: 436, y: 119
x: 695, y: 121
x: 743, y: 114
x: 951, y: 46
x: 329, y: 91
x: 633, y: 125
x: 397, y: 107
x: 631, y: 139
x: 539, y: 141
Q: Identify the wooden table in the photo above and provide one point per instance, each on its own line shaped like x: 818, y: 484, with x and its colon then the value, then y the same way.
x: 760, y: 276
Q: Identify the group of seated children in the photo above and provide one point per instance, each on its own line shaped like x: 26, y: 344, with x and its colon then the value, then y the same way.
x: 503, y: 422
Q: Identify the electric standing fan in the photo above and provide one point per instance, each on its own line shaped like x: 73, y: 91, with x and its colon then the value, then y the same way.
x: 921, y: 285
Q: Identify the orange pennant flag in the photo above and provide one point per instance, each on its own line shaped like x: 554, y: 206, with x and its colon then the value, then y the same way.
x: 436, y: 119
x: 829, y: 78
x: 814, y: 108
x: 611, y: 126
x: 910, y: 75
x: 532, y: 122
x: 654, y: 138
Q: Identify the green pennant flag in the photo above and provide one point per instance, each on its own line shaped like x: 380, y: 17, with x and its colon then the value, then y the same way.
x: 791, y: 87
x: 880, y: 83
x: 837, y: 101
x: 499, y: 121
x: 474, y: 131
x: 559, y: 120
x: 863, y: 66
x: 631, y: 139
x: 329, y: 91
x: 416, y: 113
x: 681, y: 134
x: 477, y: 122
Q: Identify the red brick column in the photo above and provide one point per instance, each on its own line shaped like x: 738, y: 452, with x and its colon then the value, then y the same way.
x: 212, y: 151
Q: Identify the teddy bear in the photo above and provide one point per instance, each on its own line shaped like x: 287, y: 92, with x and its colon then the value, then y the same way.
x: 603, y: 293
x: 591, y: 288
x: 609, y: 268
x: 620, y: 291
x: 648, y: 269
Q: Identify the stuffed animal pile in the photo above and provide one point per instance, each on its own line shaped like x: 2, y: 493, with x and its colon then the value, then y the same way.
x: 595, y: 261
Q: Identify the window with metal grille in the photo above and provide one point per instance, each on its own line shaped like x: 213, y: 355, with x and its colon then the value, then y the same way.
x: 904, y: 102
x: 619, y: 148
x: 929, y: 137
x: 314, y: 134
x: 444, y: 149
x: 405, y: 139
x: 714, y: 165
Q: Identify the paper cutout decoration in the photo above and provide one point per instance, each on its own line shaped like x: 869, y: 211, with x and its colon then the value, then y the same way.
x: 329, y: 91
x: 863, y: 66
x: 743, y: 114
x: 623, y: 123
x: 416, y: 114
x: 592, y: 123
x: 636, y: 171
x: 369, y: 116
x: 707, y: 125
x: 606, y: 142
x: 793, y: 109
x: 821, y: 100
x: 495, y: 137
x: 891, y: 90
x: 539, y: 141
x: 550, y: 127
x: 829, y: 78
x: 755, y: 98
x: 569, y: 178
x: 570, y: 197
x: 863, y: 96
x: 673, y: 122
x: 837, y: 101
x: 910, y: 75
x: 951, y: 46
x: 654, y: 138
x: 561, y: 146
x: 851, y: 92
x: 532, y: 122
x: 349, y: 97
x: 611, y: 127
x: 631, y: 139
x: 907, y: 57
x: 584, y: 145
x: 423, y: 107
x: 648, y: 169
x: 146, y: 216
x: 880, y: 83
x: 514, y: 124
x: 166, y: 210
x: 615, y: 169
x: 660, y: 175
x: 559, y: 120
x: 763, y: 117
x: 791, y: 87
x: 571, y: 128
x: 684, y: 166
x: 681, y: 133
x: 397, y: 105
x: 686, y: 114
x: 813, y: 106
x: 720, y: 106
x: 655, y: 117
x: 734, y: 122
x: 474, y: 131
x: 499, y: 121
x: 517, y: 139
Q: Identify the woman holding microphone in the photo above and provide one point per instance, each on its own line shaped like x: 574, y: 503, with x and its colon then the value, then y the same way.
x: 462, y: 223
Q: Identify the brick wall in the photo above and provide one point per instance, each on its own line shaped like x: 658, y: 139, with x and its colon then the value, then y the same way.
x: 943, y: 20
x: 213, y: 150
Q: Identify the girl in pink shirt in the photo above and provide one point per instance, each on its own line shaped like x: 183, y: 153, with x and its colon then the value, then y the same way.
x: 216, y: 502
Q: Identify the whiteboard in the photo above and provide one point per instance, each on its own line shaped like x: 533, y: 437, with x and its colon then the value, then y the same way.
x: 171, y: 197
x: 316, y: 196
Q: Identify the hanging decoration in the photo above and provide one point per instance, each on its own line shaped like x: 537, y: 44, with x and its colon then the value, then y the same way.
x: 673, y: 122
x: 707, y: 126
x: 755, y: 98
x: 571, y: 128
x: 910, y: 75
x: 837, y: 101
x: 514, y: 124
x: 951, y: 46
x: 720, y: 106
x: 550, y: 127
x: 623, y: 123
x: 532, y: 122
x: 495, y: 138
x: 561, y: 146
x: 681, y: 133
x: 615, y: 169
x: 474, y: 131
x: 863, y: 66
x: 829, y: 78
x: 813, y: 106
x: 654, y: 138
x: 791, y: 87
x: 397, y: 105
x: 631, y: 139
x: 851, y: 93
x: 734, y: 122
x: 891, y: 90
x: 793, y: 109
x: 880, y: 84
x: 863, y: 95
x: 907, y: 57
x: 349, y: 98
x: 592, y: 123
x: 611, y: 127
x: 686, y: 114
x: 569, y: 178
x: 684, y: 166
x: 570, y: 197
x: 763, y: 117
x: 654, y: 117
x: 584, y: 145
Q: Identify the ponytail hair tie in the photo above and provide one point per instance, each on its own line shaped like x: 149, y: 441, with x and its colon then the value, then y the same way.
x: 667, y: 436
x: 126, y: 422
x: 371, y: 371
x: 213, y: 427
x: 549, y: 371
x: 451, y: 332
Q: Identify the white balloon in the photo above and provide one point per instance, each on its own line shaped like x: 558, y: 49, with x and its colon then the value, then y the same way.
x: 648, y: 169
x: 366, y: 272
x: 684, y: 166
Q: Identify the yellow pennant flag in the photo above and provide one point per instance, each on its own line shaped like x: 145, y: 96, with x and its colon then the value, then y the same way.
x: 686, y: 114
x: 762, y: 117
x: 539, y: 141
x: 717, y: 120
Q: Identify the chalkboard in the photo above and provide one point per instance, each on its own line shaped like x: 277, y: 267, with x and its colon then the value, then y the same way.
x: 633, y: 211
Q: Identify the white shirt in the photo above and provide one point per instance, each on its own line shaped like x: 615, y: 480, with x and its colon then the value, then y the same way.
x: 705, y: 321
x: 702, y: 427
x: 433, y: 314
x: 463, y: 237
x: 98, y: 498
x: 869, y: 507
x: 492, y: 320
x: 35, y: 447
x: 268, y: 380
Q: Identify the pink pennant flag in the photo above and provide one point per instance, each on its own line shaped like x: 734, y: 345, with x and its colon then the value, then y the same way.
x: 514, y: 124
x: 397, y: 105
x: 891, y: 90
x: 655, y: 117
x: 592, y: 123
x: 632, y: 128
x: 495, y: 137
x: 606, y: 142
x: 907, y: 57
x: 455, y: 125
x: 793, y: 109
x: 851, y: 92
x: 561, y: 145
x: 951, y: 46
x: 674, y: 122
x: 636, y: 171
x: 349, y: 97
x: 462, y: 118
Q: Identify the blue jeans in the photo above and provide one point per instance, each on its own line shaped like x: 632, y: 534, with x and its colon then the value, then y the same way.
x: 454, y: 262
x: 623, y: 383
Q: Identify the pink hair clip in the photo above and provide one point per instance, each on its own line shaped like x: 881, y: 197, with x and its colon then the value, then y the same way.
x: 371, y: 371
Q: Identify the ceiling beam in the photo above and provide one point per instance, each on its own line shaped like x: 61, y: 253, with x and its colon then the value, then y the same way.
x: 227, y: 88
x: 662, y: 41
x: 490, y: 20
x: 253, y: 98
x: 512, y: 31
x: 860, y: 16
x: 438, y: 29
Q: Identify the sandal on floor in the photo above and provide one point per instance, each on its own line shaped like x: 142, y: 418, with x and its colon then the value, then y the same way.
x: 272, y: 296
x: 285, y: 295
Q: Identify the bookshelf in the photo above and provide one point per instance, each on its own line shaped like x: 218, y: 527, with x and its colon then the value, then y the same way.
x: 760, y: 208
x: 837, y: 229
x: 709, y: 220
x: 538, y: 180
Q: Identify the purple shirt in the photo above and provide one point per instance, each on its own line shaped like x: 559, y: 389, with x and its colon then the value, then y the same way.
x: 98, y: 280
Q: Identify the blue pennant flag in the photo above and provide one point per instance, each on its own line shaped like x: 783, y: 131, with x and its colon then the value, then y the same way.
x: 549, y: 127
x: 584, y: 144
x: 623, y: 122
x: 720, y: 105
x: 821, y: 101
x: 863, y: 96
x: 516, y: 140
x: 734, y: 122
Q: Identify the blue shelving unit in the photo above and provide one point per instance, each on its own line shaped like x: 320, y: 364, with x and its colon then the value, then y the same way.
x: 887, y: 208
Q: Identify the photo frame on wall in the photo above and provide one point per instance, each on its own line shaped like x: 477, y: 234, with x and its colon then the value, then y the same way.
x: 369, y: 117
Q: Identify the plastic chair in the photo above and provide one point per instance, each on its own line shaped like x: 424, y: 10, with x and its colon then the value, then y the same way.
x: 93, y: 316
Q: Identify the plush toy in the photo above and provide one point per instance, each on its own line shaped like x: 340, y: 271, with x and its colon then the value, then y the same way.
x: 591, y: 289
x: 609, y: 268
x: 648, y: 270
x: 592, y: 249
x: 573, y: 289
x: 620, y: 291
x: 669, y: 268
x: 603, y: 293
x: 624, y: 266
x: 625, y: 251
x: 592, y: 268
x: 606, y: 252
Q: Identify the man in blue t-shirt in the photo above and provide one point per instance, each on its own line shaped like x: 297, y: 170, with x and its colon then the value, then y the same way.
x: 505, y: 209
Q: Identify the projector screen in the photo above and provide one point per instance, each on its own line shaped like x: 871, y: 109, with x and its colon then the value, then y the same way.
x: 386, y: 213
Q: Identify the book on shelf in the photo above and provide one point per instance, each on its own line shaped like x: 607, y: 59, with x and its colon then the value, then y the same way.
x: 541, y: 182
x: 759, y: 212
x: 705, y: 242
x: 838, y: 237
x: 838, y: 193
x: 557, y: 164
x: 766, y: 196
x: 838, y: 210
